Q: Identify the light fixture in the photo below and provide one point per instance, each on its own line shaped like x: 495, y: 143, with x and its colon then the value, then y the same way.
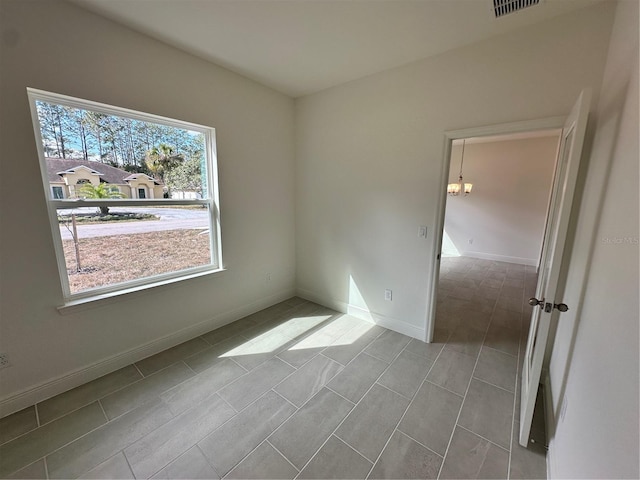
x: 454, y: 189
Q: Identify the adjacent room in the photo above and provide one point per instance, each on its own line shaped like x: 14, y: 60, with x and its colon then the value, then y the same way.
x: 325, y: 239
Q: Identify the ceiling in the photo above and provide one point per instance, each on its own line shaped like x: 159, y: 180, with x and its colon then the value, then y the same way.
x: 300, y: 47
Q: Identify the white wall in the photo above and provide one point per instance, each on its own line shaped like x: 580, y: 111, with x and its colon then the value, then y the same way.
x: 594, y: 364
x: 369, y: 155
x: 505, y: 213
x: 55, y: 46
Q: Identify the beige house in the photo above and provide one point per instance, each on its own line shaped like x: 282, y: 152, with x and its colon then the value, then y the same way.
x: 66, y: 177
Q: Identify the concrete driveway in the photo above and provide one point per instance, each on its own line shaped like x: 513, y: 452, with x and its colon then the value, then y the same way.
x: 170, y: 219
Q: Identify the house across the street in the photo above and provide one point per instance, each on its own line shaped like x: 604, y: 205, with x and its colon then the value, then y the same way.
x: 67, y: 176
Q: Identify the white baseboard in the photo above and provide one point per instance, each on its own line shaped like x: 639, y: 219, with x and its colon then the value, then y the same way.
x: 385, y: 321
x: 501, y: 258
x: 48, y: 389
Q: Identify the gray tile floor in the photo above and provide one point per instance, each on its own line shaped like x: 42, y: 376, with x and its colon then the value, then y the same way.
x: 301, y: 391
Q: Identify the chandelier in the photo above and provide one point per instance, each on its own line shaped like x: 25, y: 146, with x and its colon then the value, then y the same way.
x: 455, y: 189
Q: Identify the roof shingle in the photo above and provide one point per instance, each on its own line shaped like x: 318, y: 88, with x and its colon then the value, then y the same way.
x: 109, y: 174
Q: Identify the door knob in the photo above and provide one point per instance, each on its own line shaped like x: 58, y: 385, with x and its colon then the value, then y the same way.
x: 533, y: 301
x: 562, y: 307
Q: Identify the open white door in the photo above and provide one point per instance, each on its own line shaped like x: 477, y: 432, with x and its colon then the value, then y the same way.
x: 564, y: 182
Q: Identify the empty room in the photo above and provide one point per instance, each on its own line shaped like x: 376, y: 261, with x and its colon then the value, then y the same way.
x: 319, y: 239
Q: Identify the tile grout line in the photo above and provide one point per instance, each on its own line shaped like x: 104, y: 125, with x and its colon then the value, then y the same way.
x: 284, y: 398
x: 393, y: 391
x: 126, y: 459
x: 107, y: 422
x: 189, y: 368
x: 173, y: 416
x: 295, y: 368
x: 341, y: 396
x: 206, y: 459
x: 228, y: 358
x: 48, y: 454
x: 424, y: 379
x: 97, y: 398
x: 272, y: 389
x: 46, y: 467
x: 288, y: 401
x: 22, y: 435
x: 501, y: 351
x: 86, y: 404
x: 238, y: 412
x: 256, y: 447
x: 465, y: 394
x: 360, y: 400
x: 493, y: 385
x: 350, y: 447
x: 225, y: 401
x: 103, y: 411
x: 484, y: 438
x: 444, y: 388
x: 372, y: 462
x: 266, y: 440
x: 418, y: 442
x: 142, y: 375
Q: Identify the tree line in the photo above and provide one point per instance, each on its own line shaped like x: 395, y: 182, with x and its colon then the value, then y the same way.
x: 171, y: 155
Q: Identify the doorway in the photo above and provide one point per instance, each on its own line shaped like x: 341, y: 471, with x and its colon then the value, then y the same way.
x: 492, y: 236
x: 451, y: 164
x: 489, y: 253
x: 547, y: 296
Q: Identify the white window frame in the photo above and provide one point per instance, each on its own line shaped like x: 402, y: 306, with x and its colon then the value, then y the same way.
x: 212, y: 201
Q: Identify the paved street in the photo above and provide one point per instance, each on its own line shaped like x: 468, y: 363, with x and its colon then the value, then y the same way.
x: 170, y: 219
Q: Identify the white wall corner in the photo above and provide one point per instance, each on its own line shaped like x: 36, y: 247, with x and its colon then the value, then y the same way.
x: 385, y: 321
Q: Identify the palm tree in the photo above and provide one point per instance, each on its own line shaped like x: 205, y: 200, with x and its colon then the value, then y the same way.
x: 161, y: 159
x: 99, y: 192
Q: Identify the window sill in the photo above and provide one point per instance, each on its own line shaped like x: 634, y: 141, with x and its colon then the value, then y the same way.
x: 100, y: 300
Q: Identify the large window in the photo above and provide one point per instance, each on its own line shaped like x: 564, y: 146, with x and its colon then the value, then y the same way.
x: 132, y: 197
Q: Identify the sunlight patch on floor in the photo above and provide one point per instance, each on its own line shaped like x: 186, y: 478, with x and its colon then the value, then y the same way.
x: 333, y: 334
x: 277, y: 336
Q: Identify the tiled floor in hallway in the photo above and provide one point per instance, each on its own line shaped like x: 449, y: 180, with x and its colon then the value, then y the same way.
x: 301, y: 391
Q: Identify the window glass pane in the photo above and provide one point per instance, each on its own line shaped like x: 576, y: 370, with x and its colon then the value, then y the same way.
x: 96, y: 152
x: 96, y: 155
x: 120, y: 244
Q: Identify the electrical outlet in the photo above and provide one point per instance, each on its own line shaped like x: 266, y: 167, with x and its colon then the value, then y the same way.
x: 267, y: 277
x: 388, y: 295
x: 4, y: 361
x: 471, y: 241
x: 422, y: 231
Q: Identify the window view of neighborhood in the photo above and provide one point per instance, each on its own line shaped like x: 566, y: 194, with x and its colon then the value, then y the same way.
x: 136, y: 159
x: 125, y: 166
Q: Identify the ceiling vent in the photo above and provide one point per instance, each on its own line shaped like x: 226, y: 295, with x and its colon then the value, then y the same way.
x: 504, y: 7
